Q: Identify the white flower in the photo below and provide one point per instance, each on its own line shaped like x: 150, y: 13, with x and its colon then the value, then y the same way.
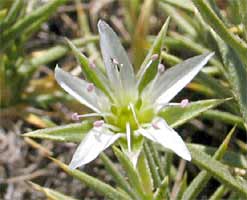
x: 129, y: 114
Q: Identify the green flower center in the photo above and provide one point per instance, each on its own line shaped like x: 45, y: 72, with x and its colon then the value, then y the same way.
x: 123, y: 115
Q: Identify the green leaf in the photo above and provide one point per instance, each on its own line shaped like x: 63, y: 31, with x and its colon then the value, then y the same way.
x: 211, y: 18
x: 148, y: 71
x: 93, y: 75
x: 218, y: 171
x: 118, y: 177
x: 51, y: 194
x: 201, y: 180
x: 67, y: 133
x: 161, y: 192
x: 237, y: 74
x: 133, y: 177
x: 13, y: 13
x: 21, y: 25
x: 185, y: 5
x: 181, y: 19
x: 95, y: 184
x: 225, y: 117
x: 176, y: 115
x: 219, y: 193
x: 231, y: 158
x: 152, y: 165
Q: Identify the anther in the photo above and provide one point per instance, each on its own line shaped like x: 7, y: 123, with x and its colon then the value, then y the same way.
x: 90, y: 87
x: 92, y: 65
x: 75, y: 116
x: 161, y: 68
x: 155, y: 126
x: 184, y: 103
x: 114, y: 61
x: 154, y: 57
x: 98, y: 123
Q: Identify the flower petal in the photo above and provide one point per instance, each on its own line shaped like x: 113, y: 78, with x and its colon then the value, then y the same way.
x: 167, y: 137
x: 175, y: 79
x: 112, y: 49
x: 78, y: 88
x: 96, y: 141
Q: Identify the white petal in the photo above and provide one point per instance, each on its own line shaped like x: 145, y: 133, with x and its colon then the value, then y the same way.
x: 112, y: 48
x: 78, y: 89
x: 175, y: 79
x: 167, y: 137
x: 96, y: 141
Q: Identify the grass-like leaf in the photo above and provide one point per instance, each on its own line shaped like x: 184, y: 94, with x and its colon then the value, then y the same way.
x: 97, y: 185
x: 200, y: 181
x: 148, y: 71
x: 67, y: 133
x: 237, y: 74
x: 118, y: 177
x: 50, y: 193
x: 211, y: 18
x: 218, y: 171
x: 133, y: 177
x: 176, y: 115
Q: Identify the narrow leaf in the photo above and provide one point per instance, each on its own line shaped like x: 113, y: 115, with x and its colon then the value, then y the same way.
x: 161, y: 192
x: 176, y: 115
x: 118, y: 177
x: 50, y: 193
x: 211, y: 18
x: 218, y: 171
x: 148, y: 68
x: 201, y: 180
x: 95, y: 184
x: 133, y: 177
x: 67, y: 133
x: 93, y: 75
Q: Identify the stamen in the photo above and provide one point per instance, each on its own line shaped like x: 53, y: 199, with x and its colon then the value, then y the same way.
x: 98, y: 123
x: 128, y: 136
x: 76, y: 116
x: 184, y: 103
x: 131, y: 107
x: 154, y: 57
x: 90, y: 87
x: 161, y: 68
